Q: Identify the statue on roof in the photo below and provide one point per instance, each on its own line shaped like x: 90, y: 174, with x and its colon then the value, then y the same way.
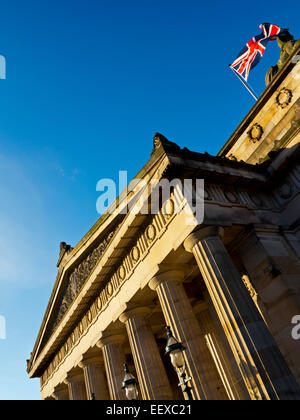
x: 288, y: 47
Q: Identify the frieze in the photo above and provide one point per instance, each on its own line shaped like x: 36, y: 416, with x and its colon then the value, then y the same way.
x: 231, y: 196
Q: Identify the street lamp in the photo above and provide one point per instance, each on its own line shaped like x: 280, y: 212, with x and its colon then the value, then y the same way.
x: 130, y: 385
x: 175, y: 350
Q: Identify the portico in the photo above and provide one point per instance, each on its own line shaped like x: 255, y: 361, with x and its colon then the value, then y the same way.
x: 227, y: 285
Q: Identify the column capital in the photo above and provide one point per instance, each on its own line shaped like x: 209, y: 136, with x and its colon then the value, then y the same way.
x: 110, y: 339
x: 138, y: 312
x: 200, y: 234
x: 94, y: 361
x: 172, y: 275
x: 60, y: 392
x: 60, y: 387
x: 73, y: 377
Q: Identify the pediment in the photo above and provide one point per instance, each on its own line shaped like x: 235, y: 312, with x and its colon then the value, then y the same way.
x: 77, y: 275
x: 103, y: 246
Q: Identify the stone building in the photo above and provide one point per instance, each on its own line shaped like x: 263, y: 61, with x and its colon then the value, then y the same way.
x: 228, y: 287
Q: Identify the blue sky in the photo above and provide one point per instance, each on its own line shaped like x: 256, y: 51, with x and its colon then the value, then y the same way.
x: 88, y: 84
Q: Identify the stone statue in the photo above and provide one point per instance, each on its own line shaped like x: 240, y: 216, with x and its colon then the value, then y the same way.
x: 288, y: 46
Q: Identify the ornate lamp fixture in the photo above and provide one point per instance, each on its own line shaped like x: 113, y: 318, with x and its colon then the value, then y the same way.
x: 175, y: 350
x: 130, y: 385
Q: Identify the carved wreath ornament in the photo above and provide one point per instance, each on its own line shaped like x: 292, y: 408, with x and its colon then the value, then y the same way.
x: 255, y: 133
x: 284, y: 98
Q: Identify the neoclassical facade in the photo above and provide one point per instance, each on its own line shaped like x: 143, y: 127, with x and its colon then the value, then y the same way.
x: 228, y: 286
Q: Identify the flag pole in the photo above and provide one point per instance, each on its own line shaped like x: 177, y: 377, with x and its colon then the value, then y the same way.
x: 245, y: 84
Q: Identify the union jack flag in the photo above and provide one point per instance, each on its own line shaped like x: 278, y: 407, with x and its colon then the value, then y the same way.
x: 252, y: 53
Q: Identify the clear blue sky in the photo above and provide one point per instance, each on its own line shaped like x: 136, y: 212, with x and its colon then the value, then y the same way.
x: 88, y: 84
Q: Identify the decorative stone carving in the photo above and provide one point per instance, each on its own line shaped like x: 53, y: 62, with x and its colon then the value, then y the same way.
x: 99, y: 303
x: 151, y: 233
x: 109, y: 289
x: 156, y: 143
x: 288, y: 47
x: 64, y: 249
x: 122, y: 273
x: 168, y: 209
x: 135, y: 254
x: 255, y: 133
x: 249, y: 286
x: 231, y: 196
x: 232, y: 157
x: 161, y: 141
x: 79, y: 276
x: 90, y: 315
x: 284, y: 97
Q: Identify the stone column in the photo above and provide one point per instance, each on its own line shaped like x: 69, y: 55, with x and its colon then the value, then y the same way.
x: 214, y: 344
x: 263, y: 367
x: 274, y: 270
x: 114, y: 359
x: 223, y: 341
x: 179, y: 315
x: 61, y: 392
x: 75, y: 382
x: 95, y: 381
x: 152, y: 377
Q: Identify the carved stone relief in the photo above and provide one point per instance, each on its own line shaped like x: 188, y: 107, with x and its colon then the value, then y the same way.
x: 79, y: 276
x: 284, y: 97
x: 255, y: 133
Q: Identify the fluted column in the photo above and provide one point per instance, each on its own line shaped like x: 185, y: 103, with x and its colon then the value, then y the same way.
x: 179, y: 315
x: 275, y: 272
x: 213, y: 342
x: 76, y: 386
x: 152, y: 377
x: 95, y: 382
x: 114, y: 359
x: 61, y: 392
x: 263, y: 367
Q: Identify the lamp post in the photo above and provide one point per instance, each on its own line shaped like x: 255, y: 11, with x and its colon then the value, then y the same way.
x: 130, y: 385
x: 175, y: 350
